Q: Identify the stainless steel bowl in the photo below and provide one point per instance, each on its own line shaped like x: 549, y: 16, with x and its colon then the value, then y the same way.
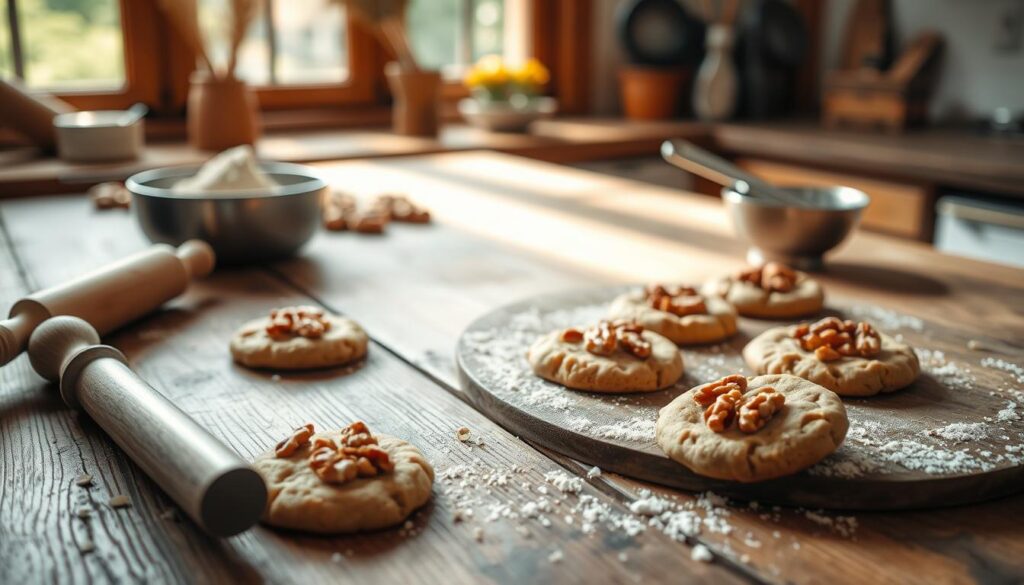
x: 244, y: 227
x: 798, y: 236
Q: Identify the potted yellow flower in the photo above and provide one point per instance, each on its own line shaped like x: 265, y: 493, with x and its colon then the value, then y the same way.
x: 503, y: 98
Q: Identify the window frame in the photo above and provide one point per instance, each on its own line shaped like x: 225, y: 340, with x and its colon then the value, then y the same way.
x: 157, y: 67
x: 141, y: 38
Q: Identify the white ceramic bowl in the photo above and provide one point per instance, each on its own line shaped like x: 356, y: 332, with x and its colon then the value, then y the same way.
x: 504, y: 116
x: 100, y: 135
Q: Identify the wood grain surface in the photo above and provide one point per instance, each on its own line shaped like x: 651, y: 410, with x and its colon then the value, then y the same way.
x: 616, y: 432
x: 182, y: 351
x: 506, y: 229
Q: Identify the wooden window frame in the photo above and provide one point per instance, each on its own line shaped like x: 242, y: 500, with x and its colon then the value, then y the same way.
x: 141, y: 42
x: 157, y: 66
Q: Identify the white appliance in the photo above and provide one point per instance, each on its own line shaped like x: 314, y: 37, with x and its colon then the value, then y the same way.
x: 986, y: 229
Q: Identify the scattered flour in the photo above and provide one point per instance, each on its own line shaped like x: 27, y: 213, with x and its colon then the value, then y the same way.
x: 960, y: 432
x: 564, y: 482
x: 701, y: 553
x: 1010, y: 413
x: 885, y: 319
x: 935, y: 363
x: 1009, y: 367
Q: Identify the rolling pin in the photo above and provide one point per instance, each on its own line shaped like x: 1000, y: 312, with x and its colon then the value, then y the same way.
x: 214, y: 486
x: 111, y: 296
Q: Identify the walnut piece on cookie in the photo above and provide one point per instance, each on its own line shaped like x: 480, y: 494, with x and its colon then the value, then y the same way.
x: 298, y: 338
x: 343, y: 481
x: 847, y: 357
x: 772, y: 291
x: 611, y: 356
x: 752, y: 429
x: 680, y: 313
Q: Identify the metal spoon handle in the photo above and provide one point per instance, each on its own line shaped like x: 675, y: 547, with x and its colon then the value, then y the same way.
x: 698, y: 161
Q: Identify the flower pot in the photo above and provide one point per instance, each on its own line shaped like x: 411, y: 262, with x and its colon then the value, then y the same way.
x: 416, y: 100
x: 652, y: 93
x: 221, y: 113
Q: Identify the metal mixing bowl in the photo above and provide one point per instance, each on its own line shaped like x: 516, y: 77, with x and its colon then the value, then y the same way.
x: 242, y: 227
x: 798, y: 236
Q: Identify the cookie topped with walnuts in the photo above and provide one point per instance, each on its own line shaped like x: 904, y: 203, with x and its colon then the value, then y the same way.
x: 344, y: 480
x: 772, y: 291
x: 752, y: 429
x: 679, y: 312
x: 609, y: 356
x: 298, y: 337
x: 851, y: 358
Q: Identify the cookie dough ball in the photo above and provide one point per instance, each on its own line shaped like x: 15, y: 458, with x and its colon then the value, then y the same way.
x: 608, y: 357
x: 886, y: 366
x: 295, y: 338
x: 793, y: 426
x: 679, y: 313
x: 773, y: 291
x: 329, y: 502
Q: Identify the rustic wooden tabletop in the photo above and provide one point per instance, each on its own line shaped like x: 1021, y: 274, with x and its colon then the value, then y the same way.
x: 506, y: 228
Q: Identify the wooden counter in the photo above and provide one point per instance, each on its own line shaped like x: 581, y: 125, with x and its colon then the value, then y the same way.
x: 23, y: 172
x: 506, y: 228
x: 947, y: 158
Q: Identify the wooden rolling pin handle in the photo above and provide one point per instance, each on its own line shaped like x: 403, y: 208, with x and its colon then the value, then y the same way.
x: 111, y: 296
x: 214, y: 486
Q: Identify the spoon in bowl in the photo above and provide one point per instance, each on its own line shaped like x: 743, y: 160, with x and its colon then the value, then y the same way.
x: 698, y: 161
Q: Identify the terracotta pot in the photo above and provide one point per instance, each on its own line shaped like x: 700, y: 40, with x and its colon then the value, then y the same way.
x: 416, y: 100
x: 652, y: 93
x: 221, y: 113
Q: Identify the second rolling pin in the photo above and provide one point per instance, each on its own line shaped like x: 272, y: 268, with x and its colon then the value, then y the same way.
x: 217, y: 489
x: 111, y: 296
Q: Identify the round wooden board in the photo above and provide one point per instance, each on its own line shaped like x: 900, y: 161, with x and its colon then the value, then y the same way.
x: 954, y: 437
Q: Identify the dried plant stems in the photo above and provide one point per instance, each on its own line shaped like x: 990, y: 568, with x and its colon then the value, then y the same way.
x: 242, y: 14
x: 387, y: 19
x: 184, y: 16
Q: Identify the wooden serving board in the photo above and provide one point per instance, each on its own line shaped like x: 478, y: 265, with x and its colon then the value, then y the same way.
x: 955, y: 436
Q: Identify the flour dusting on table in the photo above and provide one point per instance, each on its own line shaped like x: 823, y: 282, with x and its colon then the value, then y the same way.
x: 953, y: 446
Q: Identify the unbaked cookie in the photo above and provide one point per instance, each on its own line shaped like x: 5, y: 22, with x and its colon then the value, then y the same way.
x: 679, y: 313
x: 615, y: 356
x: 343, y: 481
x: 295, y: 338
x: 851, y: 359
x: 752, y: 429
x: 773, y: 291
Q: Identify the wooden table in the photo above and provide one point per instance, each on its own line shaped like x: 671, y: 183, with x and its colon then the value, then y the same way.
x: 506, y: 228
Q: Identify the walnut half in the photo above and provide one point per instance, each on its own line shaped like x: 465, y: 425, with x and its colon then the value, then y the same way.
x: 607, y: 336
x: 832, y: 338
x: 772, y: 277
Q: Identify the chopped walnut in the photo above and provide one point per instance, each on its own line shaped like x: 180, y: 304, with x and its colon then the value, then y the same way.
x: 299, y: 437
x: 607, y: 336
x: 400, y: 208
x: 572, y: 335
x: 832, y: 338
x: 757, y: 410
x: 772, y: 277
x: 358, y: 455
x: 706, y: 394
x: 601, y: 339
x: 303, y: 321
x: 720, y: 414
x: 110, y: 196
x: 678, y: 300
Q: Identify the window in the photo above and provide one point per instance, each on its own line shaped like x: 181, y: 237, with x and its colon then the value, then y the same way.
x: 63, y: 45
x: 291, y: 42
x: 452, y: 34
x: 104, y: 54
